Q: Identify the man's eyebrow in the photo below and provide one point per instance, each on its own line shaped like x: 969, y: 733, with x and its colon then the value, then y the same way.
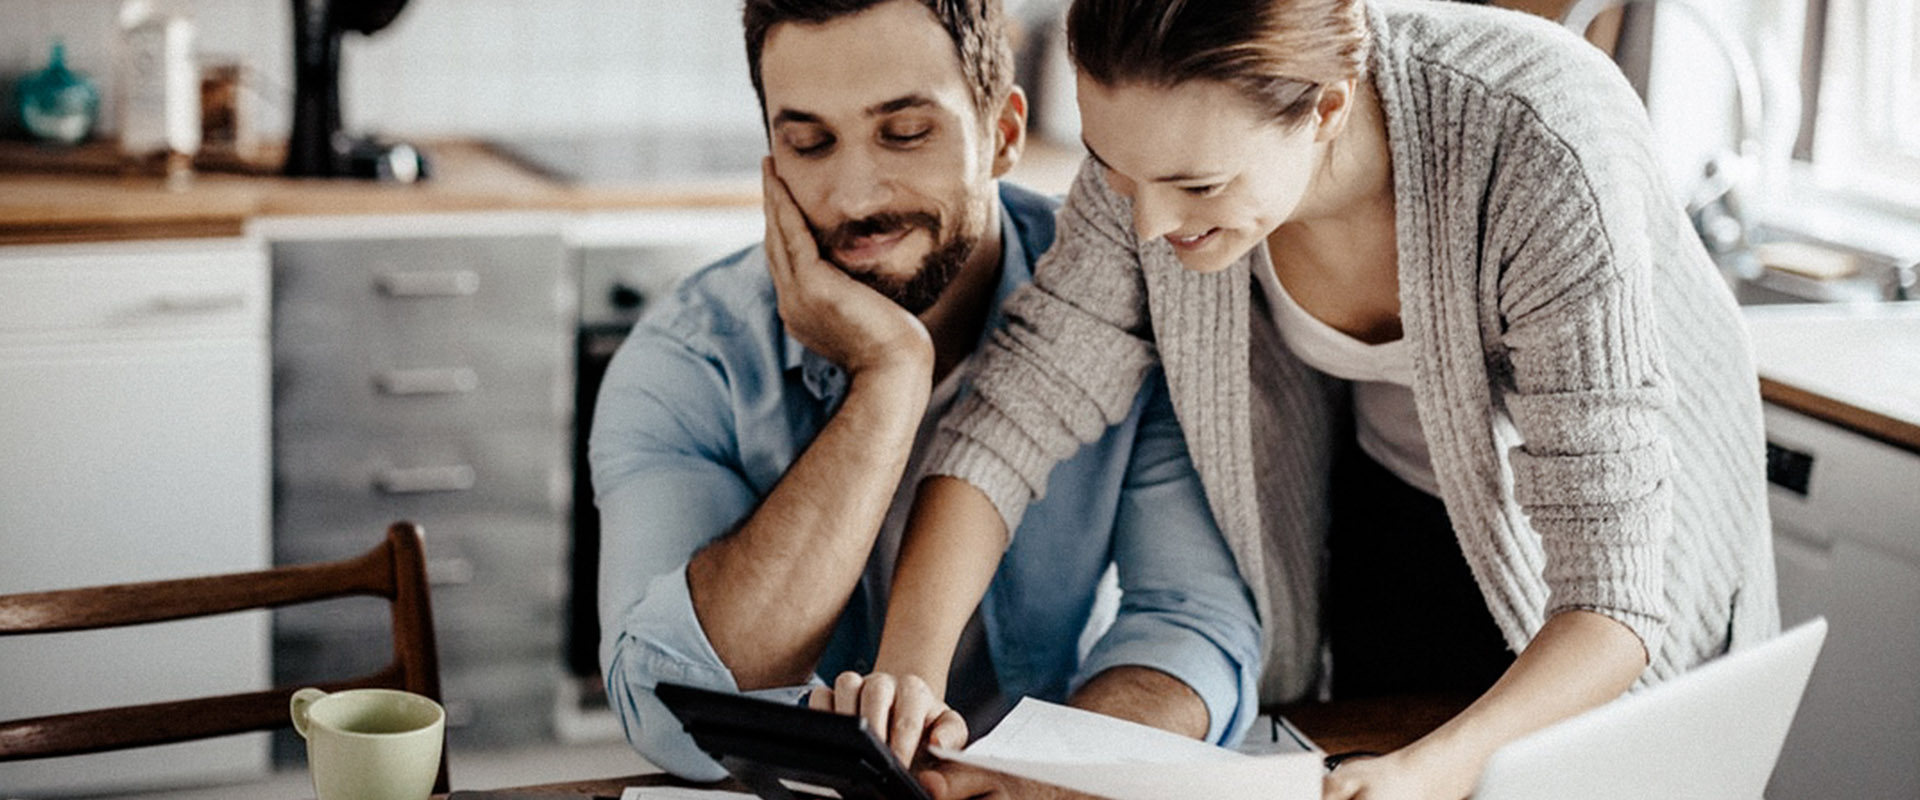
x: 788, y: 115
x: 1181, y: 177
x: 899, y: 104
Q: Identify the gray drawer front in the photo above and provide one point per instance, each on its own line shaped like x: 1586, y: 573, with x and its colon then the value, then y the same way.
x: 441, y: 387
x: 515, y: 562
x: 364, y: 483
x: 407, y: 289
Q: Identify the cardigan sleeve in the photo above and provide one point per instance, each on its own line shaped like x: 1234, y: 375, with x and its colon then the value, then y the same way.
x: 1572, y: 206
x: 1066, y: 364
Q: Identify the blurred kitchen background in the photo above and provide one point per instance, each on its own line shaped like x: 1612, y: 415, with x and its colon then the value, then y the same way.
x: 470, y: 68
x: 329, y: 355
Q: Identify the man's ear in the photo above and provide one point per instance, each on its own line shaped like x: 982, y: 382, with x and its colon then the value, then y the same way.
x: 1009, y: 132
x: 1333, y: 109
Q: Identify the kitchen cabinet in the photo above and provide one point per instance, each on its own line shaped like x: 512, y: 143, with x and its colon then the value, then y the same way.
x: 1847, y: 544
x: 1842, y: 388
x: 133, y: 414
x: 422, y: 371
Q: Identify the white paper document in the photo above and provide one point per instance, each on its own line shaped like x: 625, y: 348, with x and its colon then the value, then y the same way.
x: 677, y: 793
x: 1108, y: 757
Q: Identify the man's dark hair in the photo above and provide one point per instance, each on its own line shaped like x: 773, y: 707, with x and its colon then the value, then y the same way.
x: 978, y: 29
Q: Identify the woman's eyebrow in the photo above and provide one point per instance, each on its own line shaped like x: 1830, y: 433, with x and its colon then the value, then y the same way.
x: 1181, y: 177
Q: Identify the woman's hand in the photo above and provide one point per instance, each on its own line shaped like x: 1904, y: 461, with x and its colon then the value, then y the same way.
x: 1578, y: 661
x: 903, y: 711
x: 1399, y: 775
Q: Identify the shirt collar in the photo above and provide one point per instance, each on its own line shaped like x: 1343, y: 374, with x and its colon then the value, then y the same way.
x: 828, y: 382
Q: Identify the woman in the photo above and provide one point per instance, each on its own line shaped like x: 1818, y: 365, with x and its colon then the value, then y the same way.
x: 1460, y: 380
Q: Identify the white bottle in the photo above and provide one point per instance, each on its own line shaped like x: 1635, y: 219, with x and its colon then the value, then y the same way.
x: 160, y: 85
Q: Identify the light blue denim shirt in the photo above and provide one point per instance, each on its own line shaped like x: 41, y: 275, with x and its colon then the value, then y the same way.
x: 709, y: 401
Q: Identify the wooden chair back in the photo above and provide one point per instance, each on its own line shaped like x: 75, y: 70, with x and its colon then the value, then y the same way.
x: 394, y: 569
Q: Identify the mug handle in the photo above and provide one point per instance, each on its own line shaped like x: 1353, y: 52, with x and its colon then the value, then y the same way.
x: 298, y: 708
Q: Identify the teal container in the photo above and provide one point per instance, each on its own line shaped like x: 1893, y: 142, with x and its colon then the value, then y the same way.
x: 57, y: 104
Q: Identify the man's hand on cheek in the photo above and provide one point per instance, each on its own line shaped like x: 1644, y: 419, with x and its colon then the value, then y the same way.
x: 825, y: 310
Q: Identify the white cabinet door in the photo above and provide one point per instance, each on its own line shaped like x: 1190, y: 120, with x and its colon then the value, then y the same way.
x: 135, y: 429
x: 1848, y: 548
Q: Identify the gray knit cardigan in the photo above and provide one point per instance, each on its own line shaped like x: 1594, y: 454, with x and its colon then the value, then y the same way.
x: 1581, y: 373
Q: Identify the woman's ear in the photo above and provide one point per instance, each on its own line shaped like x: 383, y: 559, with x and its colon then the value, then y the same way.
x: 1333, y: 109
x: 1009, y: 131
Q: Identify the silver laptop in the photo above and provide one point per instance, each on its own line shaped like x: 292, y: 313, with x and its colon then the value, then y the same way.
x: 1712, y: 733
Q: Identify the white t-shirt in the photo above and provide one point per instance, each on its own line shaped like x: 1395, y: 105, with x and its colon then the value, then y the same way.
x: 1385, y: 419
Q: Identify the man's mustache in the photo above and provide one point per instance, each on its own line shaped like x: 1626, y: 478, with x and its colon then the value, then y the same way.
x: 846, y: 233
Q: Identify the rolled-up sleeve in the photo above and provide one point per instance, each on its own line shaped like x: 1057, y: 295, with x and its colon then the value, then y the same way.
x: 1590, y: 386
x: 661, y: 453
x: 1067, y: 365
x: 1184, y: 609
x: 660, y: 640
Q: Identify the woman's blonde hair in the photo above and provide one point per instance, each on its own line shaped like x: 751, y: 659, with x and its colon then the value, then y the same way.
x: 1277, y: 53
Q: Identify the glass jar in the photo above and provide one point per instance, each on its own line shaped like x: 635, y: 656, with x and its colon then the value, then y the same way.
x: 57, y: 104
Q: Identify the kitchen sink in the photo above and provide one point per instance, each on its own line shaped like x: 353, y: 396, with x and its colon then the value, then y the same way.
x: 1804, y: 269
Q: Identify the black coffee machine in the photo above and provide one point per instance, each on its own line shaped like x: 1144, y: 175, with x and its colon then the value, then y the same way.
x: 318, y: 147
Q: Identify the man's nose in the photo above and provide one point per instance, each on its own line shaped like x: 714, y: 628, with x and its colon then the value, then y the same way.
x: 861, y: 186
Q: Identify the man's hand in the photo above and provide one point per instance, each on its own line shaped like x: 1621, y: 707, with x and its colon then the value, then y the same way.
x: 903, y: 711
x: 830, y: 313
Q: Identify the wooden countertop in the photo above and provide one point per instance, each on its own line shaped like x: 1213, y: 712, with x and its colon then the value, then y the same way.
x: 85, y: 194
x: 1856, y: 366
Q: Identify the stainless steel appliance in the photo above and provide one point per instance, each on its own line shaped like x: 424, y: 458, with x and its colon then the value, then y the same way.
x: 421, y: 373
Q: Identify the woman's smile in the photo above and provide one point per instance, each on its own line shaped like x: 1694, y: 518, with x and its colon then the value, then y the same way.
x: 1191, y: 243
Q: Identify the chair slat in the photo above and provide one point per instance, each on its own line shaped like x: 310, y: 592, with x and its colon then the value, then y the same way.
x: 185, y: 598
x: 84, y: 732
x: 394, y: 569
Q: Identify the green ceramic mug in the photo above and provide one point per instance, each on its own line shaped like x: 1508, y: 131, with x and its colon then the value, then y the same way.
x: 370, y: 744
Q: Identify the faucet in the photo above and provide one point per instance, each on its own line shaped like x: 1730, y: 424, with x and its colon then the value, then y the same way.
x: 1722, y: 205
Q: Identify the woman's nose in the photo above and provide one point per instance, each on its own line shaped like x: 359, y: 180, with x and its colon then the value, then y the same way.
x: 1152, y: 220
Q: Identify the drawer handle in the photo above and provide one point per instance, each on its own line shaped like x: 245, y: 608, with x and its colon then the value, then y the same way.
x: 423, y: 480
x: 200, y: 303
x: 442, y: 283
x: 427, y: 381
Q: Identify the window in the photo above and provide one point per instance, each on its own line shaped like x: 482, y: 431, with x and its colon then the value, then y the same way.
x: 1865, y: 129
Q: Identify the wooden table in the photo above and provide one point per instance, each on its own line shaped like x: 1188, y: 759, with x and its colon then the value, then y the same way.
x: 1377, y: 725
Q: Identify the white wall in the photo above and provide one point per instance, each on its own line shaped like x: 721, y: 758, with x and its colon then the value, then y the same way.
x: 453, y: 67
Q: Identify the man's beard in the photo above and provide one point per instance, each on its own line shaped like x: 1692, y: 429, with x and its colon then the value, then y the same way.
x: 919, y: 291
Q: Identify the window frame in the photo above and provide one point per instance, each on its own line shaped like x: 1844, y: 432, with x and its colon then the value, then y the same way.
x: 1851, y: 141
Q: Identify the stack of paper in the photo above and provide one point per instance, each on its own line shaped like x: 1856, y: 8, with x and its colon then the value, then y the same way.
x: 1108, y: 757
x: 677, y: 793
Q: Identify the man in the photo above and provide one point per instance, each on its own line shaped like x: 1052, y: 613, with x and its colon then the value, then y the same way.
x: 755, y: 441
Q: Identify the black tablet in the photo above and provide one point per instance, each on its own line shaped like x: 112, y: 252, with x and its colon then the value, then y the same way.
x: 786, y: 752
